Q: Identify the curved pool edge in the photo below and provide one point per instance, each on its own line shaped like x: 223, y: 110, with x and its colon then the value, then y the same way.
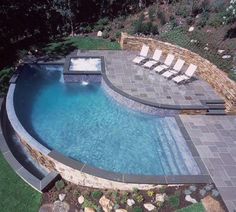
x: 80, y: 173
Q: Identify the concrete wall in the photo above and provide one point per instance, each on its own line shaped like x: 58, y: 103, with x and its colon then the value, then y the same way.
x: 206, y: 70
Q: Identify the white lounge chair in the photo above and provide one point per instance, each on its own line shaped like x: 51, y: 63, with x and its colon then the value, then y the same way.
x: 142, y: 55
x: 167, y: 63
x: 176, y: 69
x: 155, y: 59
x: 187, y: 75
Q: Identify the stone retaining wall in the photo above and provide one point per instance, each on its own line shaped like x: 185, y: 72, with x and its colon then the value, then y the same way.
x: 206, y: 70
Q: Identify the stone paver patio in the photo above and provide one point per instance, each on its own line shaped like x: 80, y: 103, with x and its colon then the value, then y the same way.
x: 149, y: 86
x: 215, y: 140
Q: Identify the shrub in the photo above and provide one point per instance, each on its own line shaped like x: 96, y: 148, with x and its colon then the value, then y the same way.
x: 217, y: 6
x: 162, y: 17
x: 112, y: 39
x: 230, y: 13
x: 174, y: 201
x: 97, y: 194
x: 105, y: 35
x: 60, y: 184
x: 99, y: 27
x: 154, y: 30
x: 89, y: 204
x: 139, y: 198
x: 124, y: 198
x: 103, y: 21
x: 137, y: 209
x: 146, y: 28
x: 150, y: 193
x: 182, y: 11
x: 118, y: 34
x: 215, y: 20
x: 151, y: 13
x: 189, y: 20
x: 138, y: 24
x: 203, y: 20
x: 108, y: 28
x: 120, y: 26
x: 88, y: 29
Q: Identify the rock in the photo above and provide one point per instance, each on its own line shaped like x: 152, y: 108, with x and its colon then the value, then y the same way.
x: 197, y: 16
x: 191, y: 29
x: 120, y: 210
x: 202, y: 192
x: 81, y: 200
x: 62, y: 197
x: 211, y: 205
x: 160, y: 197
x: 60, y: 206
x: 187, y: 192
x: 99, y: 34
x: 106, y: 204
x: 89, y: 210
x: 192, y: 188
x: 149, y: 206
x: 215, y: 193
x: 188, y: 198
x: 227, y: 56
x: 46, y: 208
x: 130, y: 202
x: 208, y: 187
x: 206, y: 48
x: 220, y: 51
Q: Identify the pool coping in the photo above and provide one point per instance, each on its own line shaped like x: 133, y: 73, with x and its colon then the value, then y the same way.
x: 118, y: 177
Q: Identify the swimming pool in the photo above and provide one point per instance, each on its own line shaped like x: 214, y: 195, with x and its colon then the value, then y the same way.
x: 81, y: 121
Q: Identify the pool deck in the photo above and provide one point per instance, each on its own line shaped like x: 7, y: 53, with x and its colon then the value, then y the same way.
x: 150, y: 87
x: 215, y: 140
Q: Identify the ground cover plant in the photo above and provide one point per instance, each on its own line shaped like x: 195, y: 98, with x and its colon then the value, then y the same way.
x: 162, y: 198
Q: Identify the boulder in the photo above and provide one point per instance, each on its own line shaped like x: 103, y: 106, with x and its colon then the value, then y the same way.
x: 188, y: 198
x: 149, y: 206
x: 192, y: 188
x: 60, y: 206
x: 160, y: 197
x: 211, y: 205
x: 120, y: 210
x: 99, y: 34
x: 220, y: 51
x: 191, y: 29
x: 106, y: 204
x: 130, y: 202
x: 89, y: 210
x: 81, y: 200
x: 62, y: 197
x: 226, y: 56
x: 46, y: 208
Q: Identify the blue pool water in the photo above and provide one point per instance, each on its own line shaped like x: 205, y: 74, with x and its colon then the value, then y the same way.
x: 86, y: 124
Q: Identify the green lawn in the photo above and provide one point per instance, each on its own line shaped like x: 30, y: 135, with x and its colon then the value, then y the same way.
x: 67, y: 45
x: 197, y: 207
x: 15, y: 194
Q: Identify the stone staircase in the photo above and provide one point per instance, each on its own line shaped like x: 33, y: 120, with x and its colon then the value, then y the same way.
x: 216, y: 107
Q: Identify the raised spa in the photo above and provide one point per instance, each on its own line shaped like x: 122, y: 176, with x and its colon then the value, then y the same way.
x: 81, y: 121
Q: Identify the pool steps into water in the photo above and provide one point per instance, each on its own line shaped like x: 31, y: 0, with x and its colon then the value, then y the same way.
x: 172, y: 139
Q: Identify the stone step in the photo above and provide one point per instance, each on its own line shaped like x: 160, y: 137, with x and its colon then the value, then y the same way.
x: 216, y: 112
x: 176, y: 157
x: 216, y: 106
x: 169, y: 163
x: 186, y: 154
x: 214, y: 101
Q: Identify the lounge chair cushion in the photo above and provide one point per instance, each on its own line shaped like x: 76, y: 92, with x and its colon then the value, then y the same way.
x: 150, y: 63
x: 160, y: 68
x: 169, y: 73
x: 138, y: 59
x: 180, y: 78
